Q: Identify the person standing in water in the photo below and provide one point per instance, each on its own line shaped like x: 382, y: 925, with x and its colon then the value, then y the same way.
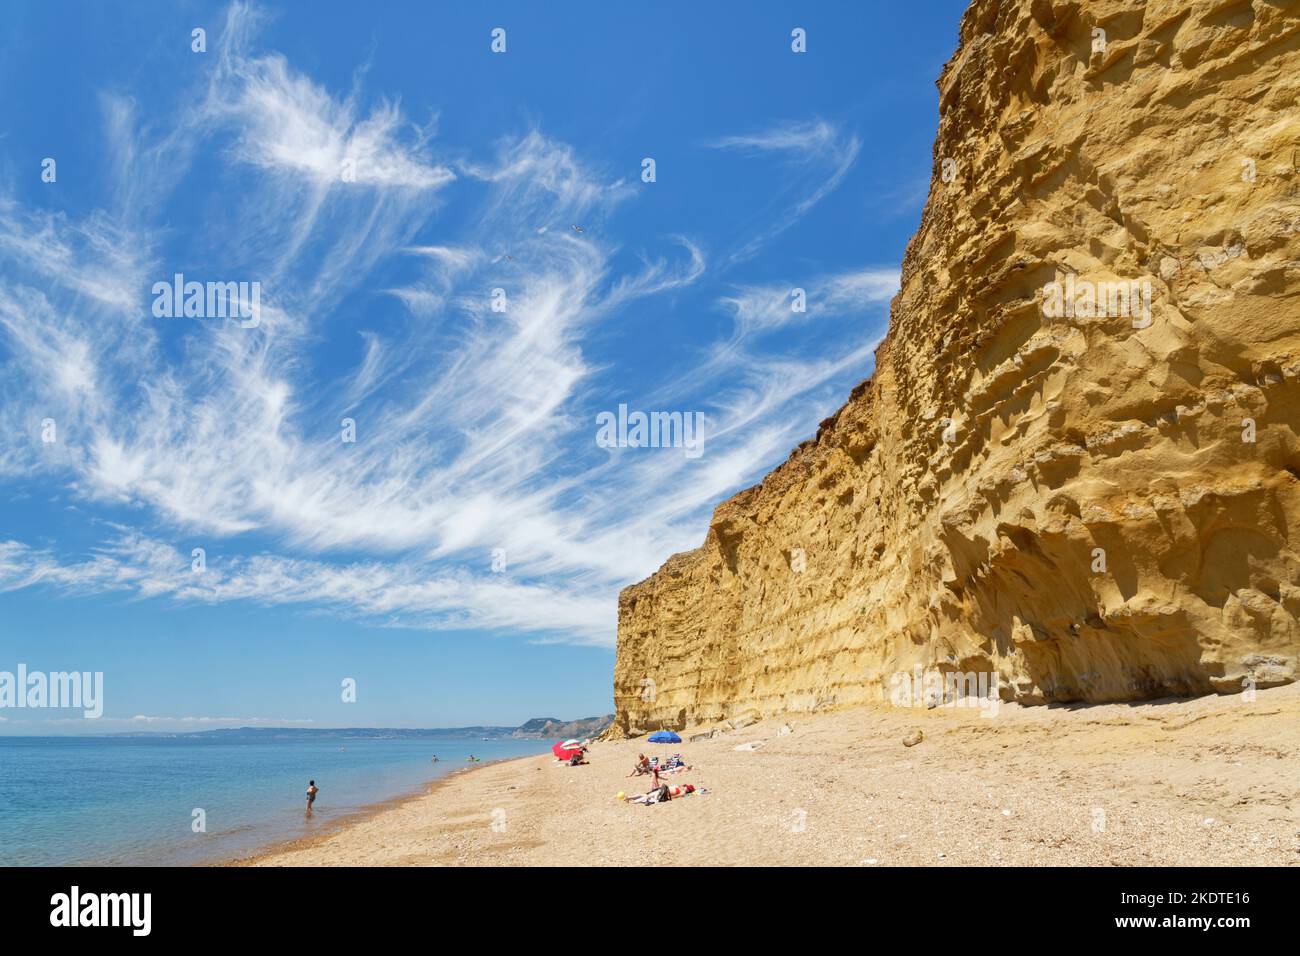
x: 312, y: 790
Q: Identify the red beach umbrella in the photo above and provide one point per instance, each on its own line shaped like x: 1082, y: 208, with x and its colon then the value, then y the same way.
x: 564, y: 753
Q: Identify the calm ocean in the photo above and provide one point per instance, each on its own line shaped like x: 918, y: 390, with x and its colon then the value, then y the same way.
x: 131, y: 800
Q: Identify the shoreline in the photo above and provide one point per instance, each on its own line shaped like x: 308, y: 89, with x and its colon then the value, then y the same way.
x: 350, y: 819
x: 1206, y: 781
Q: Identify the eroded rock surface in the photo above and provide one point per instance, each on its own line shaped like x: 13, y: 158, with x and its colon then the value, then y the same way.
x: 1095, y: 506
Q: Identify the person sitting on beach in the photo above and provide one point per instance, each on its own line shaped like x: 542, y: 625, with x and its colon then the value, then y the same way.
x: 642, y: 766
x: 312, y: 790
x: 579, y: 758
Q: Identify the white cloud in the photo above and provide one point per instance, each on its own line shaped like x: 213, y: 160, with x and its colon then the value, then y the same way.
x: 401, y: 592
x: 821, y: 155
x: 764, y: 308
x: 474, y: 427
x: 809, y: 138
x: 288, y: 124
x: 238, y: 721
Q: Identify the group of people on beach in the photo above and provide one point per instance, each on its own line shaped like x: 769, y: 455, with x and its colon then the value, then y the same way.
x: 660, y: 792
x: 651, y: 766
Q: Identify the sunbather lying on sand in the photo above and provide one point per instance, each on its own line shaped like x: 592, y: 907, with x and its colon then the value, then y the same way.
x: 652, y: 796
x: 664, y: 792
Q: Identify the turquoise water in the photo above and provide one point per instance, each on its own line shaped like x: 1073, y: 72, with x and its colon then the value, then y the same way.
x: 130, y: 800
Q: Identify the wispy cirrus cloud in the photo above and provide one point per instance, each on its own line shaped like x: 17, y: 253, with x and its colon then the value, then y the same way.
x: 816, y: 154
x: 759, y: 309
x: 406, y: 592
x: 474, y: 426
x: 800, y: 139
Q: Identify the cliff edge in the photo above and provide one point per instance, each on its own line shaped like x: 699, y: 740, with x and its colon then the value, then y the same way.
x: 1076, y: 466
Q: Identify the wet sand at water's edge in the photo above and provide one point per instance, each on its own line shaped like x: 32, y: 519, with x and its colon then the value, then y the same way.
x: 1210, y: 781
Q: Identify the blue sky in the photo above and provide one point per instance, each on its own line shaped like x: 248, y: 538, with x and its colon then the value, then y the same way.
x: 466, y: 171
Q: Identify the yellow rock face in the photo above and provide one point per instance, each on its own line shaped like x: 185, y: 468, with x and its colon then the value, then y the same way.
x: 1076, y: 467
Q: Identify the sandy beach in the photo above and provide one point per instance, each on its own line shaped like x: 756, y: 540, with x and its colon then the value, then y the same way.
x: 1210, y: 781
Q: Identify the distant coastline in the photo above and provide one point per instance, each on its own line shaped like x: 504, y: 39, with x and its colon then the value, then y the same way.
x: 539, y: 728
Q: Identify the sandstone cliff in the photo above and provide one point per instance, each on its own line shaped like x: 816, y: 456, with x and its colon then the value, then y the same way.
x: 1102, y: 505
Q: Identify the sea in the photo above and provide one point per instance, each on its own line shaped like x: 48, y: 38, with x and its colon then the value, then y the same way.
x: 188, y: 800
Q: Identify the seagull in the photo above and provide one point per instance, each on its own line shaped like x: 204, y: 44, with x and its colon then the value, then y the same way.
x: 577, y: 229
